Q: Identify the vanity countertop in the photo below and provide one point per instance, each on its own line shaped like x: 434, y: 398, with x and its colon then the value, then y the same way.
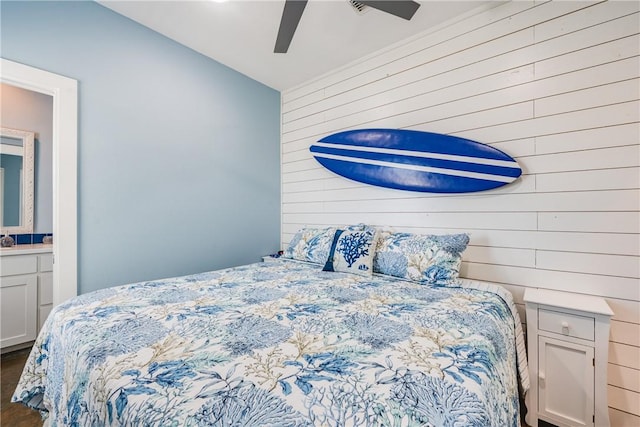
x: 26, y: 249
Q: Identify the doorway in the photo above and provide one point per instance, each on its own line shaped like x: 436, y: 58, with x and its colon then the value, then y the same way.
x: 65, y: 167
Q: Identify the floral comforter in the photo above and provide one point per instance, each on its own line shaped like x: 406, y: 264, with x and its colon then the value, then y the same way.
x: 279, y: 344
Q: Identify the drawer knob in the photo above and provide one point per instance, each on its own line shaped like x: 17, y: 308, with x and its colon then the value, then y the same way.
x: 565, y: 327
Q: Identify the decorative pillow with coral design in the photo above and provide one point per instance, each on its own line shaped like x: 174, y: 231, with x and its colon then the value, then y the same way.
x: 311, y: 245
x: 352, y: 251
x: 428, y: 259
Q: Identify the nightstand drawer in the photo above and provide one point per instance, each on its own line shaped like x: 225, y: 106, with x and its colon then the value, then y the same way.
x: 567, y: 324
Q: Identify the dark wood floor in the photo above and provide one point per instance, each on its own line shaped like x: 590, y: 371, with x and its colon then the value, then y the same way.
x: 15, y: 414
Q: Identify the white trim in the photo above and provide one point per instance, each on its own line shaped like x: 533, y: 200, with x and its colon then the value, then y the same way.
x: 65, y: 167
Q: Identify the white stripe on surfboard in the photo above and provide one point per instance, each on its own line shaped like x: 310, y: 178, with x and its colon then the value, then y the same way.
x: 452, y: 172
x: 423, y: 154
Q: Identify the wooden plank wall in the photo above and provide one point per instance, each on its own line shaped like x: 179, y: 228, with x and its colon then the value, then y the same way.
x: 554, y: 84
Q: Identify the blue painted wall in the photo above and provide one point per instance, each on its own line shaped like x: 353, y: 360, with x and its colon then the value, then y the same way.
x: 178, y: 155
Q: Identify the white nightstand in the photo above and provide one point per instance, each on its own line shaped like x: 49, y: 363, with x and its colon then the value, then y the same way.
x: 568, y: 338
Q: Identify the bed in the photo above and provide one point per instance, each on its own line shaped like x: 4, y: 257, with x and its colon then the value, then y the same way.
x: 280, y: 343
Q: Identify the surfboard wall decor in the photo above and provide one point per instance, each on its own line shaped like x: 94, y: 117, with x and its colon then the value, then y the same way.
x: 415, y: 161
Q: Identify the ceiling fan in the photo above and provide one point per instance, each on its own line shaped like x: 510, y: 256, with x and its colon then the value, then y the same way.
x: 293, y: 12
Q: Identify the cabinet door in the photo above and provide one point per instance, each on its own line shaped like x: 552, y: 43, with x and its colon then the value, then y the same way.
x: 566, y: 380
x: 18, y: 309
x: 45, y: 297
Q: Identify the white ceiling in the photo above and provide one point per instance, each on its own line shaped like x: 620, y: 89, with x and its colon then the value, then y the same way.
x: 241, y: 33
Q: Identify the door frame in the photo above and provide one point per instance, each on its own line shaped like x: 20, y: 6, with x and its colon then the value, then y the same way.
x: 64, y: 91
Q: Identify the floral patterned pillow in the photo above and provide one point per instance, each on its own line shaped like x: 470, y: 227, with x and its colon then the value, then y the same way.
x: 429, y: 259
x: 352, y: 251
x: 311, y: 245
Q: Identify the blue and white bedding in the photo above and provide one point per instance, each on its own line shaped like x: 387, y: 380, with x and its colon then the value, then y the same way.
x: 279, y: 344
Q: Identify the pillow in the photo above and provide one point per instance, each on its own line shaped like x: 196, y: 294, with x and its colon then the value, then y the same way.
x: 352, y: 251
x: 428, y: 259
x: 358, y: 227
x: 311, y: 245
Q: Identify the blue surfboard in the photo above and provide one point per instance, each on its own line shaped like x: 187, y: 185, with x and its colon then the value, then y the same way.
x: 415, y: 161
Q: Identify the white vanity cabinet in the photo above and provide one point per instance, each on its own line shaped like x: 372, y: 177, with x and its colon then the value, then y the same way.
x: 568, y: 338
x: 26, y: 292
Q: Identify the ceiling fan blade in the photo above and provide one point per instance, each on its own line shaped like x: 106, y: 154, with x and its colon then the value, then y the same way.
x: 290, y: 17
x: 400, y: 8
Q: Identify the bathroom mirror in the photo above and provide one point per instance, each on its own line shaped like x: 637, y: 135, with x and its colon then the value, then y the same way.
x: 16, y: 181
